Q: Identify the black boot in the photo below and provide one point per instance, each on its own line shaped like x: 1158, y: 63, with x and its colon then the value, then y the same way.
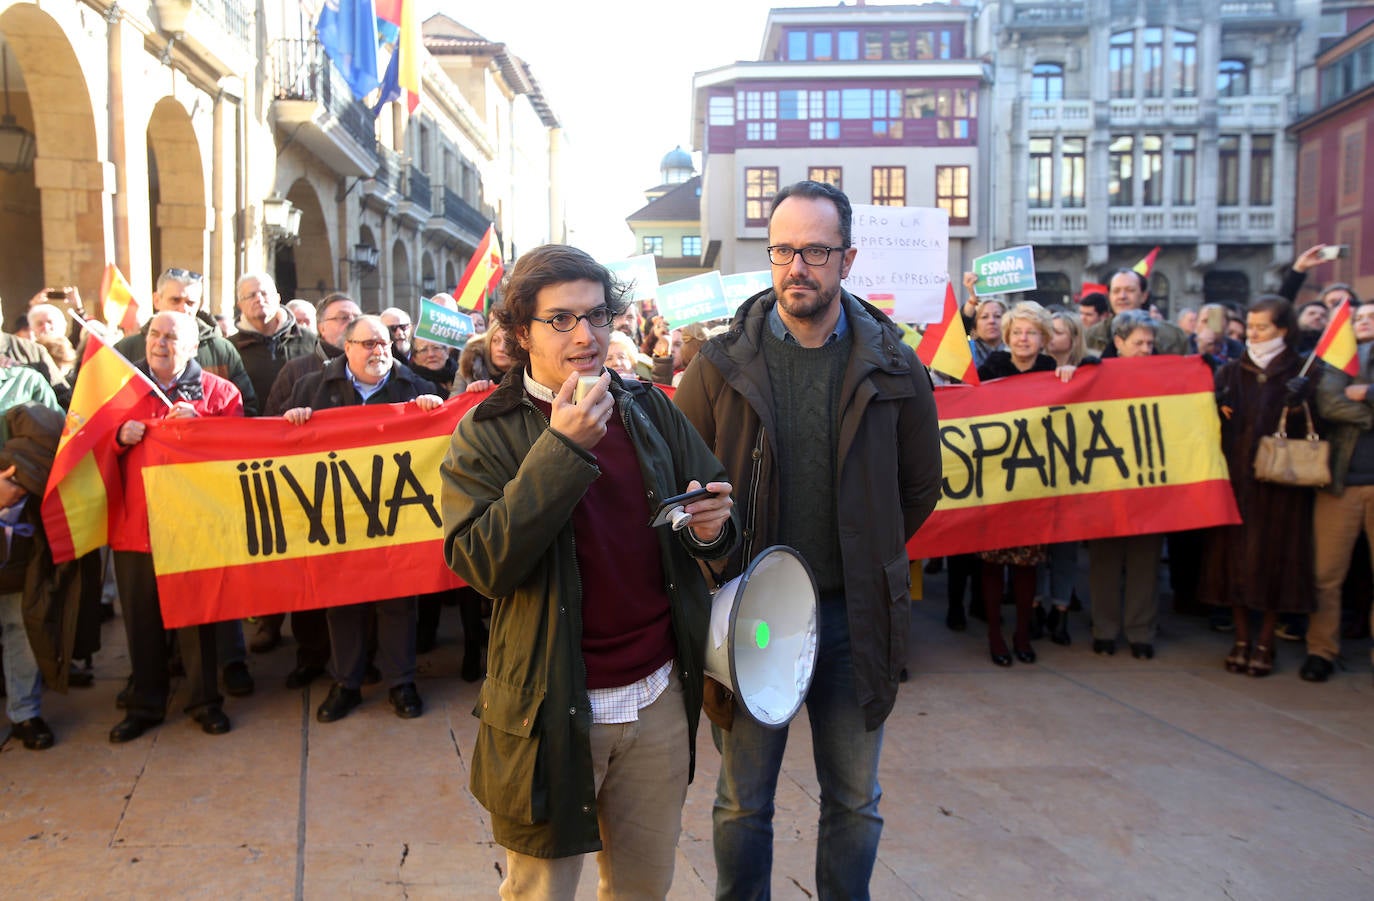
x: 955, y: 620
x: 1058, y: 624
x: 1037, y: 622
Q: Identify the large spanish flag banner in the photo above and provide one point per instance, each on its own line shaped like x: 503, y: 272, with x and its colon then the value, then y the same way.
x: 1128, y: 447
x: 84, y: 487
x: 255, y: 516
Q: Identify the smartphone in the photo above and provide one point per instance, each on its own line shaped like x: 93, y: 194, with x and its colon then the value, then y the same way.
x: 1215, y: 319
x: 1334, y: 252
x: 664, y: 514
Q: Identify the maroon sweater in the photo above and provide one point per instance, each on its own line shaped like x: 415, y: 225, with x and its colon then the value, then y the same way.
x: 627, y: 629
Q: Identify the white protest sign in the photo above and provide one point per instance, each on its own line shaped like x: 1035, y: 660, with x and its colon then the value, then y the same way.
x: 695, y: 299
x: 639, y: 274
x: 903, y: 260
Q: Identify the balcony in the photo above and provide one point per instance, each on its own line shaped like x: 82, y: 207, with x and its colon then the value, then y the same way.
x: 312, y: 105
x: 1154, y: 111
x: 415, y: 202
x: 1057, y: 226
x: 1053, y: 115
x: 218, y: 32
x: 1252, y: 112
x: 1052, y: 16
x: 1247, y: 226
x: 458, y: 219
x: 383, y: 189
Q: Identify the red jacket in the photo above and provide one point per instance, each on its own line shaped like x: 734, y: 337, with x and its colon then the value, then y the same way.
x: 211, y: 395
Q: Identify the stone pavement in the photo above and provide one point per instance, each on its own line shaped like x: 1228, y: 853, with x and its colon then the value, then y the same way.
x: 1078, y: 777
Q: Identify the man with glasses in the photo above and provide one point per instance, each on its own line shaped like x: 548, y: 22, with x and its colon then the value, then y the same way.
x: 333, y: 316
x: 826, y: 422
x: 180, y: 291
x: 398, y: 325
x: 588, y: 717
x: 268, y: 336
x: 366, y: 374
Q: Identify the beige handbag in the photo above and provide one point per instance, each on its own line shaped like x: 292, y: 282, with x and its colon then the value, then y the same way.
x: 1298, y: 461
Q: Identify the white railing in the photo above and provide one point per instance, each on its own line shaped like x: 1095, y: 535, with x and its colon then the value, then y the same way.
x: 1042, y: 114
x: 1251, y: 112
x: 1049, y: 224
x: 1154, y: 110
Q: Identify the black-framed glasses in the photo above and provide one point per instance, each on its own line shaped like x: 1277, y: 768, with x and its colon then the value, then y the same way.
x: 344, y: 317
x: 565, y: 322
x: 184, y: 275
x: 811, y: 254
x: 371, y: 343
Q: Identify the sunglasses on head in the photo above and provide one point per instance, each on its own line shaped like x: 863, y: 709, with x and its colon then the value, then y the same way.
x: 184, y: 275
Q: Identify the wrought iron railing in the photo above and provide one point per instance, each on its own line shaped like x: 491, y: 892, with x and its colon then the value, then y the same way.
x: 304, y: 72
x: 417, y: 187
x: 463, y: 214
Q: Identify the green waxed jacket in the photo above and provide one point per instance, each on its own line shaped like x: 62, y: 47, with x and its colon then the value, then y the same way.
x: 510, y: 485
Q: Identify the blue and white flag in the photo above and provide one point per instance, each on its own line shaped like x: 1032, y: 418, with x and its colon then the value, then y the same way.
x: 348, y: 33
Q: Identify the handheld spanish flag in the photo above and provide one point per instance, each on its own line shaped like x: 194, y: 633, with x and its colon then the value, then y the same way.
x: 483, y: 273
x: 117, y: 302
x: 944, y: 347
x: 1147, y: 262
x: 1337, y: 347
x: 84, y: 487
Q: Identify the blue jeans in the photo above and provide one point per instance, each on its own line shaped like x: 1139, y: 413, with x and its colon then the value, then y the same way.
x: 846, y: 758
x: 23, y: 683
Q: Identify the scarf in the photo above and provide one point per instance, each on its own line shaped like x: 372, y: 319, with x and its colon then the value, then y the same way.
x: 1264, y: 352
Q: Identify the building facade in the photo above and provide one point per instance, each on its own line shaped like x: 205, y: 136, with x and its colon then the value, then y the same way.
x: 217, y: 137
x: 668, y: 226
x: 1333, y: 137
x: 882, y: 101
x: 1121, y: 125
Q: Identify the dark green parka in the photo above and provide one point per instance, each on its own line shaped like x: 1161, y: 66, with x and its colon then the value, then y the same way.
x: 510, y: 485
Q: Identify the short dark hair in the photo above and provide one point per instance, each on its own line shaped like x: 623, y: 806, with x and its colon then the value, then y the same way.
x: 1097, y: 300
x: 819, y: 190
x: 1140, y: 279
x: 323, y: 306
x: 537, y: 269
x: 1280, y: 312
x: 1341, y: 286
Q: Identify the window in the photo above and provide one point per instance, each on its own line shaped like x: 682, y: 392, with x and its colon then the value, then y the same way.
x: 899, y: 45
x: 935, y: 43
x: 824, y: 105
x: 1351, y: 166
x: 1185, y: 63
x: 889, y: 185
x: 856, y: 103
x: 1233, y: 78
x: 1152, y: 62
x: 691, y: 246
x: 952, y: 192
x: 759, y: 111
x: 760, y: 184
x: 1152, y: 170
x: 721, y: 111
x: 829, y: 175
x: 1121, y: 64
x: 1047, y: 82
x: 796, y: 44
x: 887, y: 114
x: 424, y: 149
x: 955, y: 109
x: 873, y: 45
x: 1261, y: 170
x: 849, y: 45
x: 1185, y: 170
x: 1040, y: 185
x: 1228, y: 170
x: 652, y: 244
x: 1073, y: 172
x: 1121, y: 171
x: 823, y: 47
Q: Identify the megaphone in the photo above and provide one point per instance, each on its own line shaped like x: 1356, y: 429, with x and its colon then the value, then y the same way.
x: 763, y: 639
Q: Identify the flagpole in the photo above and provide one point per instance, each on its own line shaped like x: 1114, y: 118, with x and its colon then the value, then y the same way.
x: 110, y: 347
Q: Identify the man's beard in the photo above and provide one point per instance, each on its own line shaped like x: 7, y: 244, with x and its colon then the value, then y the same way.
x: 809, y: 308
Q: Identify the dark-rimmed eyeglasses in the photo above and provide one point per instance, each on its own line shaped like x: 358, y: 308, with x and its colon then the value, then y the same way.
x: 371, y: 343
x: 565, y: 322
x: 183, y: 275
x: 398, y: 327
x: 811, y: 254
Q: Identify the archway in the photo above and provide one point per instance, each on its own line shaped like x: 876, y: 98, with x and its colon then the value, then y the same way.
x: 313, y: 256
x: 52, y: 224
x: 369, y: 283
x: 404, y: 291
x: 176, y: 190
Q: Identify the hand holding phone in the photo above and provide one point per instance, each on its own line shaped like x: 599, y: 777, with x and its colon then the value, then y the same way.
x: 671, y: 510
x: 1333, y: 252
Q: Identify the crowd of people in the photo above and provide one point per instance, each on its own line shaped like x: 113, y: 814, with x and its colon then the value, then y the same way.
x: 1281, y: 571
x: 806, y: 420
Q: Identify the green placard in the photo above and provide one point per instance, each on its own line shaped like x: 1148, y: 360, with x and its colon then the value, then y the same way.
x: 1005, y: 271
x: 442, y: 325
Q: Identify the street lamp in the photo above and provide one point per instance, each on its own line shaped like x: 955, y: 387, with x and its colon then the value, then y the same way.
x: 364, y: 259
x: 428, y: 284
x: 281, y: 221
x: 17, y: 144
